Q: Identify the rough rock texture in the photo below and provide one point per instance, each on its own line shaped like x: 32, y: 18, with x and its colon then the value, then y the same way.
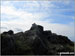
x: 35, y: 41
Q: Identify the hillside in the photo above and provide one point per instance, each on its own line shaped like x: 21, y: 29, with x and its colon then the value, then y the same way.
x: 34, y: 41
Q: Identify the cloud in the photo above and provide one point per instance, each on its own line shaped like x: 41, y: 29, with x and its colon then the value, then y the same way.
x: 13, y: 12
x: 18, y: 18
x: 21, y: 20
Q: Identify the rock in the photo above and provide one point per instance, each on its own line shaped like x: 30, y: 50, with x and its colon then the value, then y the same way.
x: 36, y: 27
x: 10, y: 32
x: 7, y: 44
x: 35, y: 41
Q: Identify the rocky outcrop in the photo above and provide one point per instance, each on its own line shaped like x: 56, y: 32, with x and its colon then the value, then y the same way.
x: 34, y: 41
x: 7, y: 42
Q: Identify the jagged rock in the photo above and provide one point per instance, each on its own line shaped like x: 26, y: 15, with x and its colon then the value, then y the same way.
x: 36, y: 27
x: 35, y: 41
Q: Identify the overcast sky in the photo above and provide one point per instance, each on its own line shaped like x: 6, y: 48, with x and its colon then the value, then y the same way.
x: 57, y: 16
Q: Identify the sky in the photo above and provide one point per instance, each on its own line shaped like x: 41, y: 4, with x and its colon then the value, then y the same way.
x: 57, y: 16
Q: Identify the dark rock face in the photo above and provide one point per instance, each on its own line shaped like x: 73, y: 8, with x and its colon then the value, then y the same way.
x: 7, y: 43
x: 35, y: 41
